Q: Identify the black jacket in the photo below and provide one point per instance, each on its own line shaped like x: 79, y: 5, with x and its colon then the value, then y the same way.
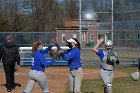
x: 1, y: 54
x: 9, y: 53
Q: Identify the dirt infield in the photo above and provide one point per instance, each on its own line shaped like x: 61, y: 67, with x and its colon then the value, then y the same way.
x: 57, y: 78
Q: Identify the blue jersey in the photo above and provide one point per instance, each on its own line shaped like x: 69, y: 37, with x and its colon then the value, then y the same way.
x: 39, y: 62
x: 101, y: 55
x: 73, y: 57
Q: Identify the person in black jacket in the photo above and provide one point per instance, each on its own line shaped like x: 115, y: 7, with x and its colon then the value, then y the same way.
x: 10, y: 55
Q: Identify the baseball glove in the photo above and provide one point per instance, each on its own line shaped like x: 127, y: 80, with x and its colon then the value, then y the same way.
x: 60, y: 52
x: 53, y: 54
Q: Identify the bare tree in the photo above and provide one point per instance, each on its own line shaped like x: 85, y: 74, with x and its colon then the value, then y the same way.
x: 45, y: 13
x: 72, y: 9
x: 10, y: 18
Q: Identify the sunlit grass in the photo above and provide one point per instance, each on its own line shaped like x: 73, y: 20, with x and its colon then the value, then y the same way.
x: 120, y: 85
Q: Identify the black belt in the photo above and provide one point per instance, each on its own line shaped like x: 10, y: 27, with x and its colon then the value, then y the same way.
x: 72, y: 69
x: 106, y: 69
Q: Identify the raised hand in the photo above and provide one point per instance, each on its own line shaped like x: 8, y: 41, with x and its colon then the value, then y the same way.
x: 56, y: 40
x: 101, y: 39
x: 53, y: 42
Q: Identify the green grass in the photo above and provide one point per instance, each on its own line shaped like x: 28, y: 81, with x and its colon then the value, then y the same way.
x: 94, y: 86
x: 120, y: 85
x: 126, y: 69
x: 126, y: 85
x: 124, y: 55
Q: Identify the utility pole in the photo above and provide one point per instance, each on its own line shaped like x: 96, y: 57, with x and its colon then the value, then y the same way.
x: 112, y: 14
x: 80, y: 35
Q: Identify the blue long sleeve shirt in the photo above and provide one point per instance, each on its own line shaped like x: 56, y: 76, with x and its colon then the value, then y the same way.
x: 39, y: 62
x: 101, y: 56
x: 46, y: 50
x: 73, y: 57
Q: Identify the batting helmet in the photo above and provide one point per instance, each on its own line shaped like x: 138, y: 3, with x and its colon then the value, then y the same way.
x: 134, y: 76
x: 108, y: 43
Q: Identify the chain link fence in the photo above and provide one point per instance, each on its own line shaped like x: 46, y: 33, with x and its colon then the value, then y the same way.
x: 119, y: 22
x: 25, y: 39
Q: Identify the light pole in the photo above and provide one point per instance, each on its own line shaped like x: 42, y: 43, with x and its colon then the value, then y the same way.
x: 112, y: 18
x: 80, y: 23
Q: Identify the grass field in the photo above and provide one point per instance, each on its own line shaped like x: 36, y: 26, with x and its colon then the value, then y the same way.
x: 120, y: 85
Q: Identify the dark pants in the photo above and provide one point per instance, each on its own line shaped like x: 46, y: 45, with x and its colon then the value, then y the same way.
x: 138, y: 64
x: 9, y: 74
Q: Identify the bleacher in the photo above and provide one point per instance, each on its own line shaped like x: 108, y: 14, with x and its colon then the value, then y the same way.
x: 26, y: 59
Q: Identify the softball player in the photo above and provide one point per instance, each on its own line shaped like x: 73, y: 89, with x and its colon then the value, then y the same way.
x: 72, y: 55
x: 108, y: 59
x: 36, y: 73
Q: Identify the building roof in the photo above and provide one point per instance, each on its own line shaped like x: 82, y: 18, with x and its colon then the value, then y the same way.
x: 82, y: 20
x: 71, y: 28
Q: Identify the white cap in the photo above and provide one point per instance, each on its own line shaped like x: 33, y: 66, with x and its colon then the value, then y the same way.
x: 72, y: 41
